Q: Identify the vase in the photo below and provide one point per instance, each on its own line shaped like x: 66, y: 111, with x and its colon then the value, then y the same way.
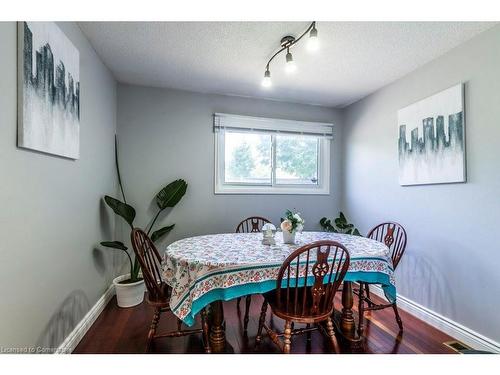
x: 289, y: 237
x: 131, y: 294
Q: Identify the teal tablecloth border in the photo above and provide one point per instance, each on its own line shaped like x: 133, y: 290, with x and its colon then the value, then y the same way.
x: 226, y: 294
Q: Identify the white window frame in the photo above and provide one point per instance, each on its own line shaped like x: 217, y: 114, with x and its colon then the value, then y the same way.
x: 226, y: 122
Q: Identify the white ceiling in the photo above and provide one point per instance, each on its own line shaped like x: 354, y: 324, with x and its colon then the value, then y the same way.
x: 355, y: 58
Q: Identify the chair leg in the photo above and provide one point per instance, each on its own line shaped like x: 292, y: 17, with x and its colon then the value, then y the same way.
x: 287, y: 336
x: 262, y: 319
x: 204, y: 326
x: 179, y: 324
x: 361, y: 310
x: 398, y: 318
x: 308, y: 334
x: 367, y: 289
x: 152, y: 329
x: 247, y: 311
x: 331, y: 334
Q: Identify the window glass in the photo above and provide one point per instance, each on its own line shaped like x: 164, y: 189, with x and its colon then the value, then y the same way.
x: 247, y: 158
x: 296, y: 160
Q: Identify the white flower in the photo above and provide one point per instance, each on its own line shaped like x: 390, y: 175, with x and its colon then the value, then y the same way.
x: 298, y: 218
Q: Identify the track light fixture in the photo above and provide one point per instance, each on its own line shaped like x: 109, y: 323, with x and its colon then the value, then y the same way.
x: 286, y: 43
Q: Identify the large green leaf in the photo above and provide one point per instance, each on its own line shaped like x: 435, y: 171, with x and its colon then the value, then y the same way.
x: 340, y: 221
x: 124, y: 210
x: 117, y: 165
x: 341, y: 226
x: 120, y: 246
x: 115, y: 245
x: 161, y: 232
x: 326, y: 224
x: 171, y: 194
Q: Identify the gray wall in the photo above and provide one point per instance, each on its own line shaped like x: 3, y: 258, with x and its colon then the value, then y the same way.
x: 51, y: 215
x: 453, y: 257
x: 167, y: 134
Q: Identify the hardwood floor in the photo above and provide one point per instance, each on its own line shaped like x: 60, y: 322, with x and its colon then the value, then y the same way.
x: 119, y: 330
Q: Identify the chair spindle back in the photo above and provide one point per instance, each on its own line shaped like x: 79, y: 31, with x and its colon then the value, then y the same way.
x: 149, y: 260
x: 394, y: 237
x: 251, y: 224
x: 327, y: 262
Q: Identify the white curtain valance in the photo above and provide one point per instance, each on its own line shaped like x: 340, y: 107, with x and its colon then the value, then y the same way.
x: 228, y: 122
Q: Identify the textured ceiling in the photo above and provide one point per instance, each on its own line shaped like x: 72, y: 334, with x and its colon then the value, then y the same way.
x: 354, y: 60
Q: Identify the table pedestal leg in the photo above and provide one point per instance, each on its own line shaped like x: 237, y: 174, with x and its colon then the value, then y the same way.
x: 217, y: 335
x: 344, y: 321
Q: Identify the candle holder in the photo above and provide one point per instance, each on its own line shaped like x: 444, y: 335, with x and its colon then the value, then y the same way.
x: 268, y: 232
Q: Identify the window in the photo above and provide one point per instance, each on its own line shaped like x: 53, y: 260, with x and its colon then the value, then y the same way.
x: 256, y: 155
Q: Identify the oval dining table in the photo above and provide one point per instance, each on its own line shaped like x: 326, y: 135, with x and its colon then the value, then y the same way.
x: 206, y: 270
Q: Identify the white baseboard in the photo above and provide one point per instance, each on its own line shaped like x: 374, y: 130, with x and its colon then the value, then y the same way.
x: 70, y: 343
x: 448, y: 326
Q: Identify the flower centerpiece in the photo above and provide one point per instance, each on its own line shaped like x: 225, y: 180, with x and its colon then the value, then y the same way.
x: 292, y: 224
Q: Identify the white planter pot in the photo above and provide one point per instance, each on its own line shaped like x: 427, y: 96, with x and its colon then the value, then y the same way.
x: 288, y: 237
x: 128, y: 295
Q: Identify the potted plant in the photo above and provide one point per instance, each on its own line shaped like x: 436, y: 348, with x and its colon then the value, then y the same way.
x: 341, y: 225
x: 290, y: 225
x: 130, y: 287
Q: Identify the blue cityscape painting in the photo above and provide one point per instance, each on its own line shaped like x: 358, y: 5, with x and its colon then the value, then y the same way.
x: 49, y: 90
x: 431, y: 141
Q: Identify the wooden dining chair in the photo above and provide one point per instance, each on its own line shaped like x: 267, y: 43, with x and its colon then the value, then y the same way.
x: 251, y: 224
x: 393, y: 235
x: 158, y: 291
x: 326, y: 263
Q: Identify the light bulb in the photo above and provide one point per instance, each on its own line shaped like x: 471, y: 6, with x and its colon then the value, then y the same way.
x: 266, y: 82
x: 313, y: 42
x: 290, y: 66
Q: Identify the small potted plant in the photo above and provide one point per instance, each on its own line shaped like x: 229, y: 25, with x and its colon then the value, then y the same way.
x: 340, y: 225
x: 292, y: 224
x: 130, y: 287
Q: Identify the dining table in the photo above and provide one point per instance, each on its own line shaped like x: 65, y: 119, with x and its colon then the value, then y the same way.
x: 209, y: 269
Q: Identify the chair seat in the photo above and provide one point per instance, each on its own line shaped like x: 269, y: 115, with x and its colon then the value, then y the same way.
x: 303, y: 312
x: 162, y: 300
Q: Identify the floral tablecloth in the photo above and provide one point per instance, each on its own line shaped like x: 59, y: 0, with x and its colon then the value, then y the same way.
x: 208, y: 268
